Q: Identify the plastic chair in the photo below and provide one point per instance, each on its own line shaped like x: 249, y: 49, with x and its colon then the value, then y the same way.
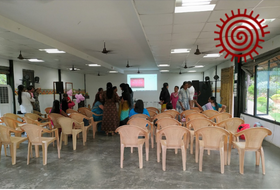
x: 67, y: 129
x: 152, y: 114
x: 140, y: 122
x: 54, y: 117
x: 153, y: 109
x: 69, y: 111
x: 6, y: 139
x: 196, y: 108
x: 195, y: 116
x: 196, y: 124
x: 139, y: 116
x: 253, y: 142
x: 210, y: 113
x: 187, y: 112
x: 14, y: 116
x: 47, y: 110
x: 13, y: 124
x: 79, y: 118
x: 175, y: 138
x: 90, y: 114
x: 175, y: 114
x: 220, y: 117
x: 82, y: 110
x: 34, y: 136
x: 39, y: 113
x: 213, y: 138
x: 162, y: 123
x: 36, y: 117
x: 129, y: 138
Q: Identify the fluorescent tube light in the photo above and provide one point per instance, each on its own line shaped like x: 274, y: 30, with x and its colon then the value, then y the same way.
x: 35, y: 60
x: 52, y: 50
x: 265, y: 22
x: 94, y: 65
x: 113, y: 71
x: 164, y: 71
x: 195, y: 3
x: 195, y: 8
x: 75, y: 69
x: 199, y: 66
x: 193, y: 71
x: 163, y: 65
x: 182, y: 50
x: 212, y: 55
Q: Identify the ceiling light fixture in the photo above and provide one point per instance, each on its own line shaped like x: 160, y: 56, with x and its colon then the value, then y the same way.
x: 212, y: 55
x: 195, y: 2
x: 195, y: 8
x: 35, y: 60
x: 52, y: 50
x: 164, y: 71
x: 163, y: 65
x: 74, y: 69
x: 113, y: 71
x: 182, y: 50
x: 265, y: 22
x: 93, y: 65
x: 199, y: 66
x: 193, y: 71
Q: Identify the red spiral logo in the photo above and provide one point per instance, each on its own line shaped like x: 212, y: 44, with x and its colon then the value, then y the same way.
x: 240, y: 35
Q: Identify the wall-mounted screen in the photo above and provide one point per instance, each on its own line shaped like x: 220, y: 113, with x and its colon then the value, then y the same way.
x: 142, y: 82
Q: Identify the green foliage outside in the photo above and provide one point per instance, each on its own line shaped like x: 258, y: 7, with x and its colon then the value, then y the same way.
x: 3, y: 79
x: 251, y: 89
x: 276, y: 116
x: 275, y: 97
x: 262, y: 101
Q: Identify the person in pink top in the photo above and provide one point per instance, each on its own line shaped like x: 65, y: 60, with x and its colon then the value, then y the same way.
x: 174, y: 97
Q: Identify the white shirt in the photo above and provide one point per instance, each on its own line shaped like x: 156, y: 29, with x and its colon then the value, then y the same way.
x: 26, y: 106
x: 191, y: 92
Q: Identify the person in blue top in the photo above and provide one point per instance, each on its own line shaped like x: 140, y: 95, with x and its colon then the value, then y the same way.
x: 97, y: 108
x: 211, y: 105
x: 139, y: 109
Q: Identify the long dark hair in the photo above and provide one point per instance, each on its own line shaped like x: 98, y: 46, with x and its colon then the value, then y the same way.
x: 97, y: 98
x: 165, y: 85
x: 55, y: 108
x: 109, y: 90
x: 185, y: 82
x: 214, y: 100
x: 20, y: 90
x: 129, y: 89
x: 126, y: 96
x: 64, y: 105
x: 139, y: 106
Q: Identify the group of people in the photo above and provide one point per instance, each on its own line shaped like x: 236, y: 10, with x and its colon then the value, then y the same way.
x: 185, y: 99
x: 28, y: 99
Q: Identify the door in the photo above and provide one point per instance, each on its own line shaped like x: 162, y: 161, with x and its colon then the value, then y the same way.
x: 227, y: 88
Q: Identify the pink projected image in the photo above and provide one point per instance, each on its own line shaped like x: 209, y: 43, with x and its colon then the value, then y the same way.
x: 137, y: 82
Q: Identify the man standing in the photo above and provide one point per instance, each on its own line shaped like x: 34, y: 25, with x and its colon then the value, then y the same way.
x: 191, y: 93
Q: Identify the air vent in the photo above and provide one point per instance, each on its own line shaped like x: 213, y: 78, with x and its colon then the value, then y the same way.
x: 4, y: 98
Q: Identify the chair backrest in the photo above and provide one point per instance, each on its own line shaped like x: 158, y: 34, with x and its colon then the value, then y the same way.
x: 71, y: 111
x: 195, y: 116
x: 153, y: 108
x: 54, y: 117
x: 231, y: 124
x: 82, y: 110
x: 13, y: 116
x: 196, y: 108
x: 38, y: 113
x: 212, y: 136
x: 188, y: 112
x: 220, y: 117
x: 165, y: 122
x: 48, y: 109
x: 88, y: 113
x: 254, y: 137
x: 5, y: 134
x: 10, y: 122
x: 152, y: 113
x: 174, y: 135
x: 141, y: 122
x: 139, y: 116
x: 129, y: 134
x: 162, y: 115
x: 32, y: 116
x: 31, y: 121
x: 78, y: 117
x: 210, y: 113
x: 66, y: 124
x: 174, y: 113
x: 34, y: 133
x: 198, y: 123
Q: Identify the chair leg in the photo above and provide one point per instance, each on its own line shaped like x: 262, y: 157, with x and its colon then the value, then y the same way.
x: 257, y: 157
x: 191, y: 146
x: 176, y: 150
x: 208, y: 151
x: 84, y: 136
x: 140, y: 155
x: 152, y: 136
x: 14, y: 151
x: 94, y: 126
x: 5, y: 149
x: 163, y: 158
x: 241, y: 161
x: 1, y: 148
x: 52, y: 134
x: 263, y: 162
x: 196, y: 150
x: 201, y: 150
x: 229, y: 149
x: 131, y: 149
x: 37, y: 151
x: 57, y: 144
x: 122, y: 155
x: 61, y: 137
x: 158, y: 151
x: 74, y: 139
x: 147, y: 148
x: 28, y: 152
x: 222, y: 158
x: 45, y: 153
x: 184, y: 157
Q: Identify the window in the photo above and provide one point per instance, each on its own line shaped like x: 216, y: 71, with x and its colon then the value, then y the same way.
x: 263, y: 90
x: 3, y: 79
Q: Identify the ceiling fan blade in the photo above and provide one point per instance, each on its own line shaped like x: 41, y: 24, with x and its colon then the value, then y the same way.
x: 191, y: 66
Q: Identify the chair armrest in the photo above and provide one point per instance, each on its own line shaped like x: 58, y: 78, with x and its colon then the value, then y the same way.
x: 97, y: 114
x: 78, y: 125
x: 44, y: 118
x: 16, y: 131
x: 46, y: 130
x: 239, y: 133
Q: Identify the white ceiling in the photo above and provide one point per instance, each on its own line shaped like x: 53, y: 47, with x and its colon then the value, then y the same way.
x: 141, y: 31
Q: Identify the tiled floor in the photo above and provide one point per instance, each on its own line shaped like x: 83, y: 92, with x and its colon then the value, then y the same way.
x: 96, y: 165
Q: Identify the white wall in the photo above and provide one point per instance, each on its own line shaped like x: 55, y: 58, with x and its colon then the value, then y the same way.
x: 151, y: 98
x: 4, y: 62
x: 274, y: 138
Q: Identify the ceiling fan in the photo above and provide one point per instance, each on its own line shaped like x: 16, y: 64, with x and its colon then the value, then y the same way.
x: 186, y: 67
x: 21, y: 57
x: 197, y: 52
x: 180, y: 72
x: 105, y: 51
x: 138, y: 71
x: 127, y: 65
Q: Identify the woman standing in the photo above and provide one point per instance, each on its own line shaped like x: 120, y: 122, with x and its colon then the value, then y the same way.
x: 24, y: 100
x: 124, y: 108
x: 110, y: 120
x: 164, y: 96
x: 36, y: 94
x: 183, y: 102
x: 97, y: 108
x: 174, y: 97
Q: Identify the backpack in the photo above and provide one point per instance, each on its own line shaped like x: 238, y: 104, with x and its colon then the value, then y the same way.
x: 241, y: 128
